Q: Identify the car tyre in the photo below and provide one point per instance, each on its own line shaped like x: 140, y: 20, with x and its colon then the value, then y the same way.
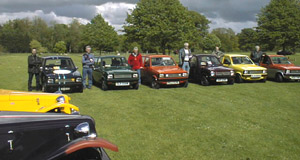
x: 185, y: 85
x: 204, y: 81
x: 155, y: 84
x: 238, y: 78
x: 136, y: 86
x: 278, y: 77
x: 104, y: 86
x: 230, y: 82
x: 263, y: 80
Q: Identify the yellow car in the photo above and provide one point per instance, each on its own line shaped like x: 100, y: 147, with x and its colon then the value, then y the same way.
x: 36, y: 102
x: 244, y: 68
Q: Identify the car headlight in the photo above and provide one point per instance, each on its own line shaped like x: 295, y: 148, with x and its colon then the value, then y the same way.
x: 246, y: 72
x: 135, y: 75
x: 264, y: 71
x: 110, y: 76
x: 161, y: 75
x: 82, y: 129
x: 287, y: 71
x: 232, y: 73
x: 212, y: 73
x: 78, y: 79
x: 184, y: 74
x: 167, y: 75
x: 50, y: 80
x: 61, y: 99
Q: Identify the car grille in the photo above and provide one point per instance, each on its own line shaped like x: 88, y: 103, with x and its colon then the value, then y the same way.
x: 223, y: 73
x: 63, y: 81
x: 295, y: 71
x: 173, y: 75
x: 122, y: 76
x: 256, y: 72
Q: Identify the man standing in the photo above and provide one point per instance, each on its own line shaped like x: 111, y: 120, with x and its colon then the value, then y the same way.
x: 87, y: 67
x: 218, y: 53
x: 136, y: 62
x: 34, y: 63
x: 184, y: 57
x: 256, y: 55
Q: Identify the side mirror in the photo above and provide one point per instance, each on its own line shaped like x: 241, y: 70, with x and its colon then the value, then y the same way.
x: 203, y: 63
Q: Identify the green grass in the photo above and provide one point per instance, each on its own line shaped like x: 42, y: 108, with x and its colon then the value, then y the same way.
x: 242, y: 121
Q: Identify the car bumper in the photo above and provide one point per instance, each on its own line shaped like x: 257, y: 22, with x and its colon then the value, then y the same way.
x: 292, y: 76
x: 254, y: 77
x: 172, y: 81
x: 66, y: 88
x: 221, y: 79
x: 114, y: 82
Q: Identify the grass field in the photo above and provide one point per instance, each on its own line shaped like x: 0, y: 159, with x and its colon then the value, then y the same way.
x: 240, y: 121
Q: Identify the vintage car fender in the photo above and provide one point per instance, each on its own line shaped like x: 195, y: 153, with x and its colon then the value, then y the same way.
x: 83, y: 143
x: 64, y: 107
x: 155, y: 77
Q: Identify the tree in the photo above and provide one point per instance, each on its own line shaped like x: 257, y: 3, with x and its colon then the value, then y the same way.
x: 40, y: 31
x: 210, y: 41
x: 279, y: 24
x: 228, y: 39
x: 159, y: 23
x: 60, y: 47
x: 74, y: 37
x: 37, y: 45
x: 100, y: 34
x: 247, y: 39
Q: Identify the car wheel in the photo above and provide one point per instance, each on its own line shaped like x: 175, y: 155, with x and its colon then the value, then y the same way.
x: 185, y: 85
x: 238, y: 78
x: 278, y: 78
x: 230, y: 82
x: 155, y: 84
x: 204, y: 81
x: 263, y: 80
x: 104, y: 86
x: 136, y: 86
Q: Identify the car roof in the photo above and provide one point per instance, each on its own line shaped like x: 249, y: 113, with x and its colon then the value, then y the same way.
x: 156, y: 56
x: 110, y: 57
x: 56, y: 57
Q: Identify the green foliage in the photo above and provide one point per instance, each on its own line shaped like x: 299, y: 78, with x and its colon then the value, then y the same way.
x: 60, y: 47
x: 100, y: 35
x: 228, y: 39
x: 247, y: 39
x: 74, y: 37
x: 279, y: 24
x: 35, y: 44
x: 210, y: 41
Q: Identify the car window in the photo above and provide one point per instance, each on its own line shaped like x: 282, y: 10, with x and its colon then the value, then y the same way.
x: 266, y: 60
x: 114, y: 62
x: 163, y: 61
x: 210, y: 60
x: 147, y: 62
x: 59, y: 63
x: 227, y: 59
x: 241, y: 60
x: 280, y: 60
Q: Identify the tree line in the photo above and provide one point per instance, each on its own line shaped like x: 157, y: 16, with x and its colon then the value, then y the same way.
x: 156, y: 26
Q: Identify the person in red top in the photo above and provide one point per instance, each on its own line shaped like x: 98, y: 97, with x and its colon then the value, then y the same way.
x: 135, y: 61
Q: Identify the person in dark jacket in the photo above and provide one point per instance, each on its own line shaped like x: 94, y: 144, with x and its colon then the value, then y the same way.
x: 218, y: 53
x: 136, y: 62
x: 87, y: 67
x: 256, y: 55
x: 34, y: 63
x: 185, y: 54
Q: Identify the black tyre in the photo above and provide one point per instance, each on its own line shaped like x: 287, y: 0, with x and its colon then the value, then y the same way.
x: 136, y: 86
x: 185, y: 85
x: 238, y: 78
x: 263, y: 80
x: 104, y: 86
x: 230, y: 82
x: 278, y: 77
x: 155, y: 84
x: 204, y: 81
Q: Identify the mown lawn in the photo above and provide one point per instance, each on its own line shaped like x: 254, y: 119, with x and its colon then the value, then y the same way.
x: 240, y: 121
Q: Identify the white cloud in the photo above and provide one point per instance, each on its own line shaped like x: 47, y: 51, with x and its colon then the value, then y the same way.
x: 48, y: 17
x: 235, y: 26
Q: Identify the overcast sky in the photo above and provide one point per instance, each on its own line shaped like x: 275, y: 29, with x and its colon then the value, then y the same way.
x: 235, y: 14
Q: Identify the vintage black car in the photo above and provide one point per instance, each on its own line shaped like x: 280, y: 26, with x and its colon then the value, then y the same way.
x: 208, y: 69
x: 114, y: 71
x: 50, y: 136
x: 59, y: 73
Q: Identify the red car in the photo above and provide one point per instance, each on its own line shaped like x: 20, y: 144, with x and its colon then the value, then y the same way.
x: 161, y: 70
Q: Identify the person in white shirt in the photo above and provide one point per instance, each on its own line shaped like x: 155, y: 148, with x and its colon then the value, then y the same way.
x: 185, y: 55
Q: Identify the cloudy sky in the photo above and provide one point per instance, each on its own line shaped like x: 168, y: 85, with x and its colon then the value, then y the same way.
x: 236, y: 14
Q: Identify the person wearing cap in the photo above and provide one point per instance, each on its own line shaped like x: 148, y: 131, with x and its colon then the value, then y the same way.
x: 34, y: 63
x: 184, y: 57
x: 135, y: 61
x: 256, y: 55
x: 87, y: 67
x: 218, y: 53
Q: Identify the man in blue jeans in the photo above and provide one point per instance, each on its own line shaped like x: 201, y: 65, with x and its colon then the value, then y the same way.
x: 185, y: 55
x: 87, y: 67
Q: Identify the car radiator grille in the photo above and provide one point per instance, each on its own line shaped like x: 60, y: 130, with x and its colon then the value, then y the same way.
x: 63, y: 81
x: 295, y: 71
x: 256, y: 72
x: 122, y: 76
x: 223, y: 73
x: 173, y: 75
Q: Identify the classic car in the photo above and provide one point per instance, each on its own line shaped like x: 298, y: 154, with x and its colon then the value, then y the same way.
x: 244, y: 68
x: 114, y: 71
x: 280, y: 68
x: 208, y: 69
x: 49, y: 136
x: 59, y: 73
x: 162, y: 70
x: 36, y: 102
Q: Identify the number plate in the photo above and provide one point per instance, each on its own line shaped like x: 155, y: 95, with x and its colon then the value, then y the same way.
x: 295, y: 77
x: 65, y: 88
x: 222, y: 80
x: 122, y: 84
x: 255, y: 76
x: 173, y: 83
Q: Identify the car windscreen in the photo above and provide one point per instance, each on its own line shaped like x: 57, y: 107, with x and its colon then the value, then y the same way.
x: 60, y: 64
x: 114, y: 62
x: 280, y: 60
x: 162, y: 61
x: 241, y: 60
x: 210, y: 60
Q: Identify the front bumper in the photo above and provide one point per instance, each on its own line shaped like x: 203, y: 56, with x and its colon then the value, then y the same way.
x: 66, y: 88
x: 113, y: 82
x: 292, y: 77
x: 254, y: 77
x: 219, y: 79
x: 168, y: 81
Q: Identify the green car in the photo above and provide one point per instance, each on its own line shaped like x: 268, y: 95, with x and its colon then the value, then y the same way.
x: 114, y: 71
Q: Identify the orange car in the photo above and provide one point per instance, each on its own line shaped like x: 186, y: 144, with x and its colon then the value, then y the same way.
x: 162, y: 70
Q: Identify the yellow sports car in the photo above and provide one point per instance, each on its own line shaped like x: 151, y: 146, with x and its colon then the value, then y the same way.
x: 244, y: 68
x: 36, y: 102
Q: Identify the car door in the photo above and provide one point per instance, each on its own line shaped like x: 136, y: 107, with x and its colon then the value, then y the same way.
x: 96, y: 72
x: 193, y: 69
x: 146, y: 70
